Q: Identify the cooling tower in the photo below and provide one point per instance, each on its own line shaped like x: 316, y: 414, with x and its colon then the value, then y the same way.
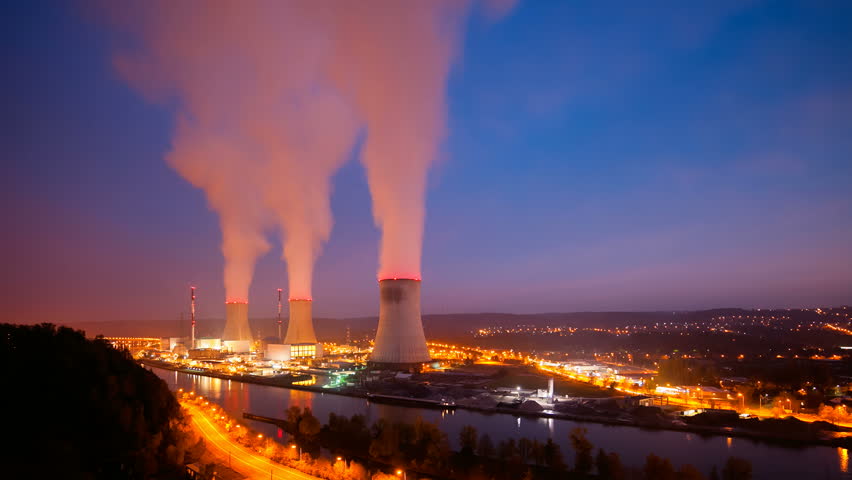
x: 400, y: 338
x: 236, y: 322
x: 301, y: 327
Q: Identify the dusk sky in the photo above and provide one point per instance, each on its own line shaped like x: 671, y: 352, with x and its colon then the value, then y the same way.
x: 653, y: 157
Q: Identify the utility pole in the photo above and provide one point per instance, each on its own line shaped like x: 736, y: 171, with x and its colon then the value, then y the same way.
x: 192, y: 313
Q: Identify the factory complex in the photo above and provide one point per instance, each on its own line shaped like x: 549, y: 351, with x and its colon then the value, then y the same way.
x: 400, y: 343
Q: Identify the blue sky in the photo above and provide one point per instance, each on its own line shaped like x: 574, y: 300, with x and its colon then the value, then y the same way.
x: 601, y: 156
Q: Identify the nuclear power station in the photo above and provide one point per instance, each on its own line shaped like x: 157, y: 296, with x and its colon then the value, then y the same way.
x: 400, y: 338
x: 237, y: 334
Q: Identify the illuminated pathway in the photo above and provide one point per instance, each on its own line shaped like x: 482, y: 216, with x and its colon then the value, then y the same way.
x: 242, y: 459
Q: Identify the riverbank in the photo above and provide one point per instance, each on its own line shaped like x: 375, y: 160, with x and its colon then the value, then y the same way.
x: 799, y: 433
x: 633, y: 445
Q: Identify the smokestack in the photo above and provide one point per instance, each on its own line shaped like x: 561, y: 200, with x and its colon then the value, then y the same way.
x: 400, y: 337
x: 301, y: 327
x: 236, y: 321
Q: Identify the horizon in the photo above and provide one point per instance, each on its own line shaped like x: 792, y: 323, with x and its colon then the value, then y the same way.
x: 517, y: 314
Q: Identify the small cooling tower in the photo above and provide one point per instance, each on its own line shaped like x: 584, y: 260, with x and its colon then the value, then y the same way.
x: 236, y: 322
x: 301, y: 327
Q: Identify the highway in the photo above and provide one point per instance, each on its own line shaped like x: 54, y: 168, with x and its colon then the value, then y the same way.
x: 242, y: 459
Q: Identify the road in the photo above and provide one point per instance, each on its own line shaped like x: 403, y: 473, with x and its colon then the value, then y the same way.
x: 242, y: 459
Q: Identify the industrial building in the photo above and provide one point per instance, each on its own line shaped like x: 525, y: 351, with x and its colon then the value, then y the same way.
x: 208, y: 343
x: 287, y: 352
x: 400, y: 339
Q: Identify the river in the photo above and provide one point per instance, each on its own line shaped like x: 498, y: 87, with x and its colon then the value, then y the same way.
x: 770, y: 462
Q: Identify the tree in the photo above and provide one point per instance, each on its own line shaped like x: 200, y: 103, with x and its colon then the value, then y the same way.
x: 468, y: 440
x: 291, y: 423
x: 714, y: 473
x: 688, y: 472
x: 657, y: 468
x: 309, y: 426
x: 602, y: 464
x: 616, y: 469
x: 385, y: 445
x: 583, y: 459
x: 537, y: 452
x: 431, y: 448
x: 736, y: 469
x: 525, y: 446
x: 553, y: 456
x: 115, y: 419
x: 485, y: 448
x: 507, y: 450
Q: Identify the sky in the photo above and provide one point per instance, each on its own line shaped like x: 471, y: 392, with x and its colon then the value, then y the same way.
x: 598, y: 156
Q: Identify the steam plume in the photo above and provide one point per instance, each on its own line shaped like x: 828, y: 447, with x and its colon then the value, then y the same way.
x: 393, y: 59
x: 263, y: 93
x: 257, y: 130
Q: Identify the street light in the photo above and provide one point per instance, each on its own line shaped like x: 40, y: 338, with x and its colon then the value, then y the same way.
x: 402, y: 473
x: 742, y: 400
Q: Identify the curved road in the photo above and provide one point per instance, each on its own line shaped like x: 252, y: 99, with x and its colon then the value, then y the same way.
x: 243, y: 460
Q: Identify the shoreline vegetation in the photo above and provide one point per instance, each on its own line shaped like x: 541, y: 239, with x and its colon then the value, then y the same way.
x: 347, y: 448
x: 79, y: 408
x: 786, y: 432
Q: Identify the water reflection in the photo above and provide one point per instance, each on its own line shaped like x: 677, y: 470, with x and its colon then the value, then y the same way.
x: 843, y: 456
x: 301, y: 399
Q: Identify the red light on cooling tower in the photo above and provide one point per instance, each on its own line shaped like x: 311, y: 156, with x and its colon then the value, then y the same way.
x: 400, y: 277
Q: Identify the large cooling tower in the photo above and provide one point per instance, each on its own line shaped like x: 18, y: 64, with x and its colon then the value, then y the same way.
x: 301, y: 327
x: 400, y: 338
x: 236, y: 322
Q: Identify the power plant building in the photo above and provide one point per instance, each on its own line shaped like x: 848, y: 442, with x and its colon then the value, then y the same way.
x: 288, y: 353
x: 208, y: 343
x: 400, y: 339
